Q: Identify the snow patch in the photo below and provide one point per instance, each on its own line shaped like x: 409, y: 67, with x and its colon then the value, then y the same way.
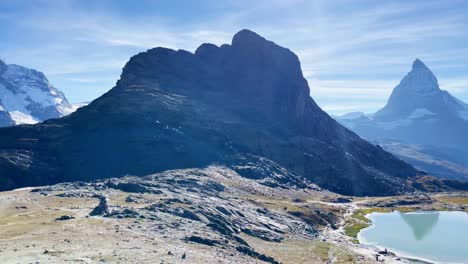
x: 420, y: 112
x: 395, y: 124
x: 21, y: 118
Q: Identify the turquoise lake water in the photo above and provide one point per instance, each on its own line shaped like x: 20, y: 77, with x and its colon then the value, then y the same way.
x: 440, y: 237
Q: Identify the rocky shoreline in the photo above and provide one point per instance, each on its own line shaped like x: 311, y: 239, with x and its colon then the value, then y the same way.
x: 419, y: 202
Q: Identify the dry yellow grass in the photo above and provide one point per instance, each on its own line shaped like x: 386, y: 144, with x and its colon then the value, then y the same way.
x: 454, y: 199
x: 303, y: 251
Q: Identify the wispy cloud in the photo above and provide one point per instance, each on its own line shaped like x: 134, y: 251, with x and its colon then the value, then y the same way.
x: 352, y: 52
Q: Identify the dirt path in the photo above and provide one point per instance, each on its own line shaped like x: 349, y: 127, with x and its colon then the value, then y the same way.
x: 338, y: 237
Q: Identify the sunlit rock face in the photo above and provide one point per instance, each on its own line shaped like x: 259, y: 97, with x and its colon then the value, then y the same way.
x: 28, y: 97
x: 174, y: 109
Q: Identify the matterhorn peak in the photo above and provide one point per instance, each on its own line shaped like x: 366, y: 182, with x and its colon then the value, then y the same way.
x: 418, y: 89
x: 419, y: 80
x: 419, y: 65
x: 420, y: 72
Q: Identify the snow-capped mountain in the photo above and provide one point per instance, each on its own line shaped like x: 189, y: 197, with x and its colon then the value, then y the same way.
x: 28, y: 97
x: 419, y: 113
x: 418, y: 96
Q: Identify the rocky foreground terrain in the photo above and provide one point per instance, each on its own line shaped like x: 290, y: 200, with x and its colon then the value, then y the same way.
x: 210, y: 215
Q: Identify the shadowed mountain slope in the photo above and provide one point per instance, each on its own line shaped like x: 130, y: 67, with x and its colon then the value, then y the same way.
x: 235, y: 104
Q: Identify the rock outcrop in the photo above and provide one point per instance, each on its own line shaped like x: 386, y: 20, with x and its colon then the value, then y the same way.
x: 102, y: 208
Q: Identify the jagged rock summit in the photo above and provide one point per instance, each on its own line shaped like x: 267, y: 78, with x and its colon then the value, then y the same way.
x: 28, y: 97
x: 244, y: 105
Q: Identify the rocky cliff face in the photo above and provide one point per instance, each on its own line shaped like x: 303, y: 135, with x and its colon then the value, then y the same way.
x: 28, y: 97
x: 244, y: 103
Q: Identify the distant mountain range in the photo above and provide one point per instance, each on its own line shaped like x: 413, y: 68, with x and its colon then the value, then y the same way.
x: 27, y: 97
x: 241, y: 105
x: 421, y: 123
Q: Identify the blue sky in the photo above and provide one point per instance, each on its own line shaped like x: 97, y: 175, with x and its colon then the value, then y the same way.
x: 352, y: 52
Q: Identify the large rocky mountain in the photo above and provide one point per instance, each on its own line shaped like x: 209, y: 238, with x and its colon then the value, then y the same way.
x: 421, y: 123
x: 27, y: 97
x: 241, y: 105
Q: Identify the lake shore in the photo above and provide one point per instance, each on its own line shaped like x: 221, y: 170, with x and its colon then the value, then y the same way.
x: 367, y: 250
x: 422, y: 241
x: 359, y: 215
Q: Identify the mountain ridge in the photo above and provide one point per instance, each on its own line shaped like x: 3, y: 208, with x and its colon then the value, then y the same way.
x: 176, y: 109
